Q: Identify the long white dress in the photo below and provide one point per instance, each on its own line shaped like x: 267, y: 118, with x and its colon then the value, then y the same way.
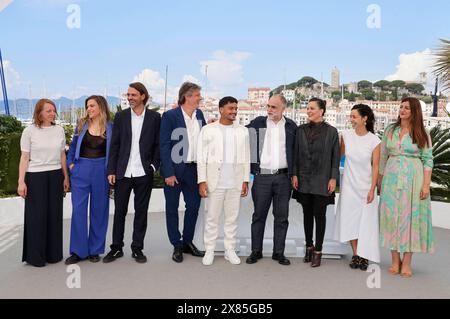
x: 355, y: 219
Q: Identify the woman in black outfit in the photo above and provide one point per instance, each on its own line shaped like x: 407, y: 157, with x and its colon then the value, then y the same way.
x: 316, y: 168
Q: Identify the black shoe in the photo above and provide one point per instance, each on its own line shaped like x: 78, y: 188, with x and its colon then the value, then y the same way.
x: 94, y: 258
x: 177, y: 255
x: 139, y: 256
x: 354, y: 264
x: 113, y: 255
x: 363, y: 264
x: 308, y: 254
x: 73, y: 259
x: 191, y: 249
x: 254, y: 256
x: 282, y: 260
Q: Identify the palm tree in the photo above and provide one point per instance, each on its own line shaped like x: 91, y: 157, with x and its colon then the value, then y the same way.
x: 440, y: 139
x: 442, y: 64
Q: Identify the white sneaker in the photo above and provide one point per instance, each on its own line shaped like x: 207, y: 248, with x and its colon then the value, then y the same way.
x: 231, y: 256
x: 208, y: 258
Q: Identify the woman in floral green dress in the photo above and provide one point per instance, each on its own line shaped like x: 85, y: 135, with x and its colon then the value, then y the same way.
x: 405, y: 175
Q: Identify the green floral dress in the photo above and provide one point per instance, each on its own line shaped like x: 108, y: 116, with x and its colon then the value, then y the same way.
x: 405, y: 220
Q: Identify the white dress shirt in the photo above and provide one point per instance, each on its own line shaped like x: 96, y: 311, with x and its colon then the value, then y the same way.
x: 273, y: 154
x: 193, y: 130
x: 134, y: 167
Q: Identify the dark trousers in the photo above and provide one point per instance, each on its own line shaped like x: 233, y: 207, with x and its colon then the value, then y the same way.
x: 142, y: 188
x: 89, y: 184
x: 314, y: 209
x: 187, y: 185
x: 268, y: 189
x: 43, y: 240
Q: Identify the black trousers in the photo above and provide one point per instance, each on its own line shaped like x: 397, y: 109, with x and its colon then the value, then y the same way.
x: 268, y: 189
x: 43, y: 239
x: 315, y: 209
x: 142, y: 188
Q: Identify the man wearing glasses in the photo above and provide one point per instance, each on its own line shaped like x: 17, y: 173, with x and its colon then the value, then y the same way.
x: 272, y: 140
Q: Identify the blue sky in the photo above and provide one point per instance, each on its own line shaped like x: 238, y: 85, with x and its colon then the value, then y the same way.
x: 244, y: 43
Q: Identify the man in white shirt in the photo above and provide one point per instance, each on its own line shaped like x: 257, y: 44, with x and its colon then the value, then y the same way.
x: 133, y: 160
x: 223, y: 165
x: 180, y: 128
x: 272, y: 140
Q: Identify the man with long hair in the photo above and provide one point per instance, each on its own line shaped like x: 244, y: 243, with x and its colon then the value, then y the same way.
x: 133, y: 160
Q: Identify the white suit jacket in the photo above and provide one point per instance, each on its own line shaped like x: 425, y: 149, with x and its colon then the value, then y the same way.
x: 210, y: 155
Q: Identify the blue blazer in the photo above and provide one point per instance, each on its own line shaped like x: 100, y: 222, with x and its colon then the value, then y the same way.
x: 170, y: 121
x: 74, y: 150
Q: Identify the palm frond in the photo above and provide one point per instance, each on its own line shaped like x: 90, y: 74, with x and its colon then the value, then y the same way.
x: 440, y: 139
x: 442, y: 64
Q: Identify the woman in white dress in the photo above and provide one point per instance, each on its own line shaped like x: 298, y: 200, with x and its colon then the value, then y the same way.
x: 357, y: 209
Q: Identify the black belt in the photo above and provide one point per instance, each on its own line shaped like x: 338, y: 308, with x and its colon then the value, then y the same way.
x: 264, y: 171
x: 190, y: 163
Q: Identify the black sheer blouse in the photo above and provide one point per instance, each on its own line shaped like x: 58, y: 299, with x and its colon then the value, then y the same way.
x: 93, y: 146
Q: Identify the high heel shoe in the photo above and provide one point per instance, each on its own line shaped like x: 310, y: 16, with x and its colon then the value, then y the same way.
x: 308, y: 254
x: 316, y: 259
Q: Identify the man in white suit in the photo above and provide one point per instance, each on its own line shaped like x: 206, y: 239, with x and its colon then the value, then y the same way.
x: 223, y: 166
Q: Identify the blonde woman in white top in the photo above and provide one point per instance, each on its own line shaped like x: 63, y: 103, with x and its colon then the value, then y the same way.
x: 357, y: 209
x: 43, y: 179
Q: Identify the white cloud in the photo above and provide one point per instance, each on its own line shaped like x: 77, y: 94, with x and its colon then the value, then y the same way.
x: 153, y: 82
x: 224, y: 73
x: 151, y: 79
x: 12, y: 77
x: 412, y: 64
x: 155, y: 85
x: 191, y: 78
x: 55, y: 96
x: 225, y: 69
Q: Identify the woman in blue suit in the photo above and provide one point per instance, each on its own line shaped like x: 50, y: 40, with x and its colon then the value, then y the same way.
x: 87, y: 162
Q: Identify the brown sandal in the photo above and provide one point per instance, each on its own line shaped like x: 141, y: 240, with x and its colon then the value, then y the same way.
x: 395, y: 271
x: 406, y: 274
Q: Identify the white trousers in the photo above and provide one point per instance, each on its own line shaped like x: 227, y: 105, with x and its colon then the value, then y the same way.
x: 228, y: 201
